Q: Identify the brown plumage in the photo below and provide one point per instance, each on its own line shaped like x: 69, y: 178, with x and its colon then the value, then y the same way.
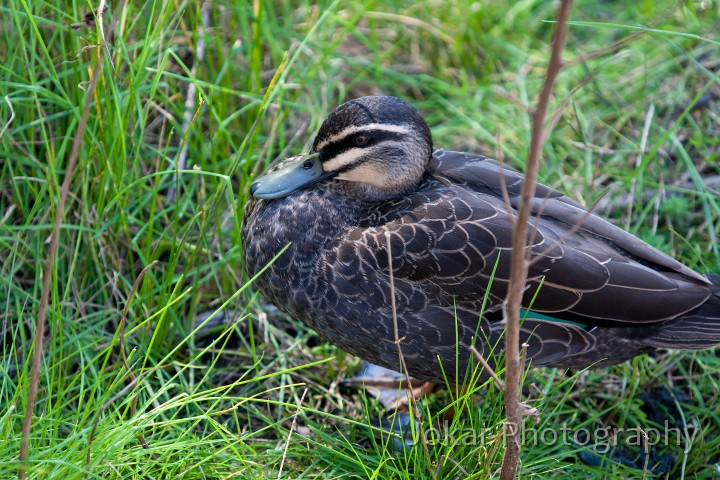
x: 596, y: 294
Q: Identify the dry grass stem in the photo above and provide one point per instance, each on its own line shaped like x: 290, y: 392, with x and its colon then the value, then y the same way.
x: 50, y: 266
x: 292, y: 429
x: 479, y: 357
x: 519, y: 260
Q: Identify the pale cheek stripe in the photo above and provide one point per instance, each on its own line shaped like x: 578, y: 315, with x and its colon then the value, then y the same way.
x: 349, y: 156
x: 345, y: 158
x: 359, y: 128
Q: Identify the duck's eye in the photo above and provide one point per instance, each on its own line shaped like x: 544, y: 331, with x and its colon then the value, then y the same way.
x: 307, y: 165
x: 360, y: 140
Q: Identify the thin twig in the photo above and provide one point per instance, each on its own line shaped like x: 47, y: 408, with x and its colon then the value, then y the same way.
x: 479, y: 357
x: 50, y: 267
x: 441, y: 463
x: 101, y: 11
x: 393, y: 305
x: 292, y: 428
x: 396, y: 330
x: 398, y: 340
x: 519, y: 260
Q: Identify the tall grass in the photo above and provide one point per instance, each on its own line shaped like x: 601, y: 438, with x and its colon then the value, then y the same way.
x: 132, y: 386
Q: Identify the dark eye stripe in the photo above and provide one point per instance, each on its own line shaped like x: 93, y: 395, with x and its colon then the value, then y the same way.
x: 334, y: 149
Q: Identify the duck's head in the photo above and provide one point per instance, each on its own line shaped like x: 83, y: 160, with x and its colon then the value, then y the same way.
x: 378, y: 146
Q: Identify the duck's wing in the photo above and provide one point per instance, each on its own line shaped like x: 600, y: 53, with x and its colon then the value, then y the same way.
x: 453, y: 240
x: 490, y: 176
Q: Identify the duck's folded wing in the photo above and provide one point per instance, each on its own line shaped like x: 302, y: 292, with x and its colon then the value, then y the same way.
x: 454, y: 243
x: 486, y: 175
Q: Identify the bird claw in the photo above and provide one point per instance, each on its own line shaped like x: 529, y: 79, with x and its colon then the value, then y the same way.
x: 392, y: 389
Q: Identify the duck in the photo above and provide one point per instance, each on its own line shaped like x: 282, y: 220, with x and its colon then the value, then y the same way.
x: 399, y: 253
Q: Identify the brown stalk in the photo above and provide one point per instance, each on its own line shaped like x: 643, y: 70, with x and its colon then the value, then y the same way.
x: 519, y: 259
x: 41, y: 321
x: 490, y: 371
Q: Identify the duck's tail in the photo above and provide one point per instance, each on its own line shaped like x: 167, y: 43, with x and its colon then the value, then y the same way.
x: 696, y: 330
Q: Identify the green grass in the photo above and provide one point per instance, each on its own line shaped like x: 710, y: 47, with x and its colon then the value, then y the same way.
x: 638, y: 121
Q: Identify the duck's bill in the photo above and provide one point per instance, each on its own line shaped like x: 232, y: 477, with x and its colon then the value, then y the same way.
x: 304, y: 171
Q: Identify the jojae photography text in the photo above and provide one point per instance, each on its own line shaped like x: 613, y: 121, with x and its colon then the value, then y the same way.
x: 601, y: 437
